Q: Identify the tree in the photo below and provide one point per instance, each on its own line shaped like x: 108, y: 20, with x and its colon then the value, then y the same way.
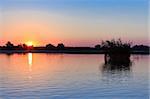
x: 50, y: 46
x: 9, y: 45
x: 116, y: 46
x: 60, y: 46
x: 97, y: 46
x: 141, y: 48
x: 116, y: 51
x: 19, y: 46
x: 22, y: 46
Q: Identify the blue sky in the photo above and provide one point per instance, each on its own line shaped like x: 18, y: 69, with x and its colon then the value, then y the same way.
x: 98, y: 18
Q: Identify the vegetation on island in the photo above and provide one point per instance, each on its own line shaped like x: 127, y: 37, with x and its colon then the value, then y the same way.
x: 116, y: 52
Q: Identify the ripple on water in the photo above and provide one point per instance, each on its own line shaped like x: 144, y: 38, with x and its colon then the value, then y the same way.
x: 71, y: 77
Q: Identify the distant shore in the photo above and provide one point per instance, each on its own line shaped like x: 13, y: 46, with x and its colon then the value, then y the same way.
x: 66, y: 51
x: 112, y: 46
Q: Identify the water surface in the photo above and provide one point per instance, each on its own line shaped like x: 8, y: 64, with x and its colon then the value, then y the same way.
x: 67, y: 76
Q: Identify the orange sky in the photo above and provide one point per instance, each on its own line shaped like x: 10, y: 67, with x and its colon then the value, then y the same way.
x: 75, y: 25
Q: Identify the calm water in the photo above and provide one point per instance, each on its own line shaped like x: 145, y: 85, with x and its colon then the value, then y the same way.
x: 66, y: 76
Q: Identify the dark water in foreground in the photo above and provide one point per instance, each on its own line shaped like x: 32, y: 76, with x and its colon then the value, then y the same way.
x: 66, y: 76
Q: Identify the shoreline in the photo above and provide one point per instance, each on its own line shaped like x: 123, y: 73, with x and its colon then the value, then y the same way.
x: 66, y: 51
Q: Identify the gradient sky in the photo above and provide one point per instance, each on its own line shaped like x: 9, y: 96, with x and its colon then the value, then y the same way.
x: 73, y: 22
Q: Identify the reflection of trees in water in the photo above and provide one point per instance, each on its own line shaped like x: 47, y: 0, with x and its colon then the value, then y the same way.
x: 117, y: 66
x: 116, y: 73
x: 9, y: 54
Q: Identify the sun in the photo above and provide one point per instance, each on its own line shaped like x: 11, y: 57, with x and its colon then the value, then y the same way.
x: 29, y: 43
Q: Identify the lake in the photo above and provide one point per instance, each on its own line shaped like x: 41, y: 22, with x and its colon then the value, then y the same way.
x: 71, y: 76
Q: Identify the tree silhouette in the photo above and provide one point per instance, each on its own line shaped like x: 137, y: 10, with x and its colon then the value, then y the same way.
x: 9, y: 45
x: 24, y: 46
x: 97, y: 46
x: 116, y: 51
x: 141, y: 48
x: 50, y: 46
x: 60, y: 46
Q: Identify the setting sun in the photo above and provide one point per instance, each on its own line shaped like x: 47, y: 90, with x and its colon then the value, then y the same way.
x: 29, y: 43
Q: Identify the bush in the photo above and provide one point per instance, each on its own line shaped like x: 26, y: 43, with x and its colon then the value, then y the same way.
x: 116, y: 51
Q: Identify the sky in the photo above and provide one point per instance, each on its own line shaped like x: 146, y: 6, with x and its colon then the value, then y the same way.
x: 73, y: 22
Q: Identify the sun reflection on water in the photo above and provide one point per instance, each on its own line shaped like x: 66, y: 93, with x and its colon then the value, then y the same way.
x: 30, y: 61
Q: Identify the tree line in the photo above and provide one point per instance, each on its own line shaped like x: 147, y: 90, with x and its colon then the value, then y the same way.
x: 109, y: 45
